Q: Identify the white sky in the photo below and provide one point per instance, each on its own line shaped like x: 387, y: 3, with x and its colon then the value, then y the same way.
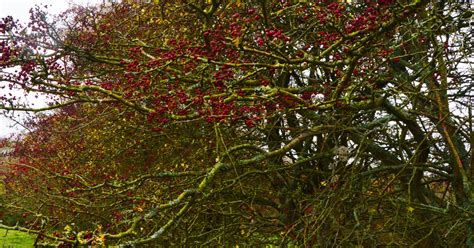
x: 19, y: 10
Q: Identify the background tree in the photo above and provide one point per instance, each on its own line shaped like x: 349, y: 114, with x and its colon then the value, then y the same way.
x: 256, y: 122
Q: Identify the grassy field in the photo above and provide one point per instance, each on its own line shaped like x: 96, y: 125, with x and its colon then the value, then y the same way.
x: 15, y: 239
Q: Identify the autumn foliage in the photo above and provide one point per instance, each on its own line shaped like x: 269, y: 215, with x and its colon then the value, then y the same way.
x: 217, y: 123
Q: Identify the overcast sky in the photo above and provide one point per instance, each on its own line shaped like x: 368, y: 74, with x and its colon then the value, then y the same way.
x: 19, y: 9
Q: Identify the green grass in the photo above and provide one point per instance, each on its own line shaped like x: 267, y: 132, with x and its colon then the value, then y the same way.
x: 16, y: 239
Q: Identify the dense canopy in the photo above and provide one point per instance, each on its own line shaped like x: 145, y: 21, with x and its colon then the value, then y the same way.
x: 227, y: 122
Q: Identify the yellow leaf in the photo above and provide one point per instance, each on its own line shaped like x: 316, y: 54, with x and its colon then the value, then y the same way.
x: 100, y: 239
x: 410, y: 209
x: 236, y: 42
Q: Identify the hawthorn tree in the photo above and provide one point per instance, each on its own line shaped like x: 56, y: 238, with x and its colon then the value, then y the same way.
x: 250, y: 123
